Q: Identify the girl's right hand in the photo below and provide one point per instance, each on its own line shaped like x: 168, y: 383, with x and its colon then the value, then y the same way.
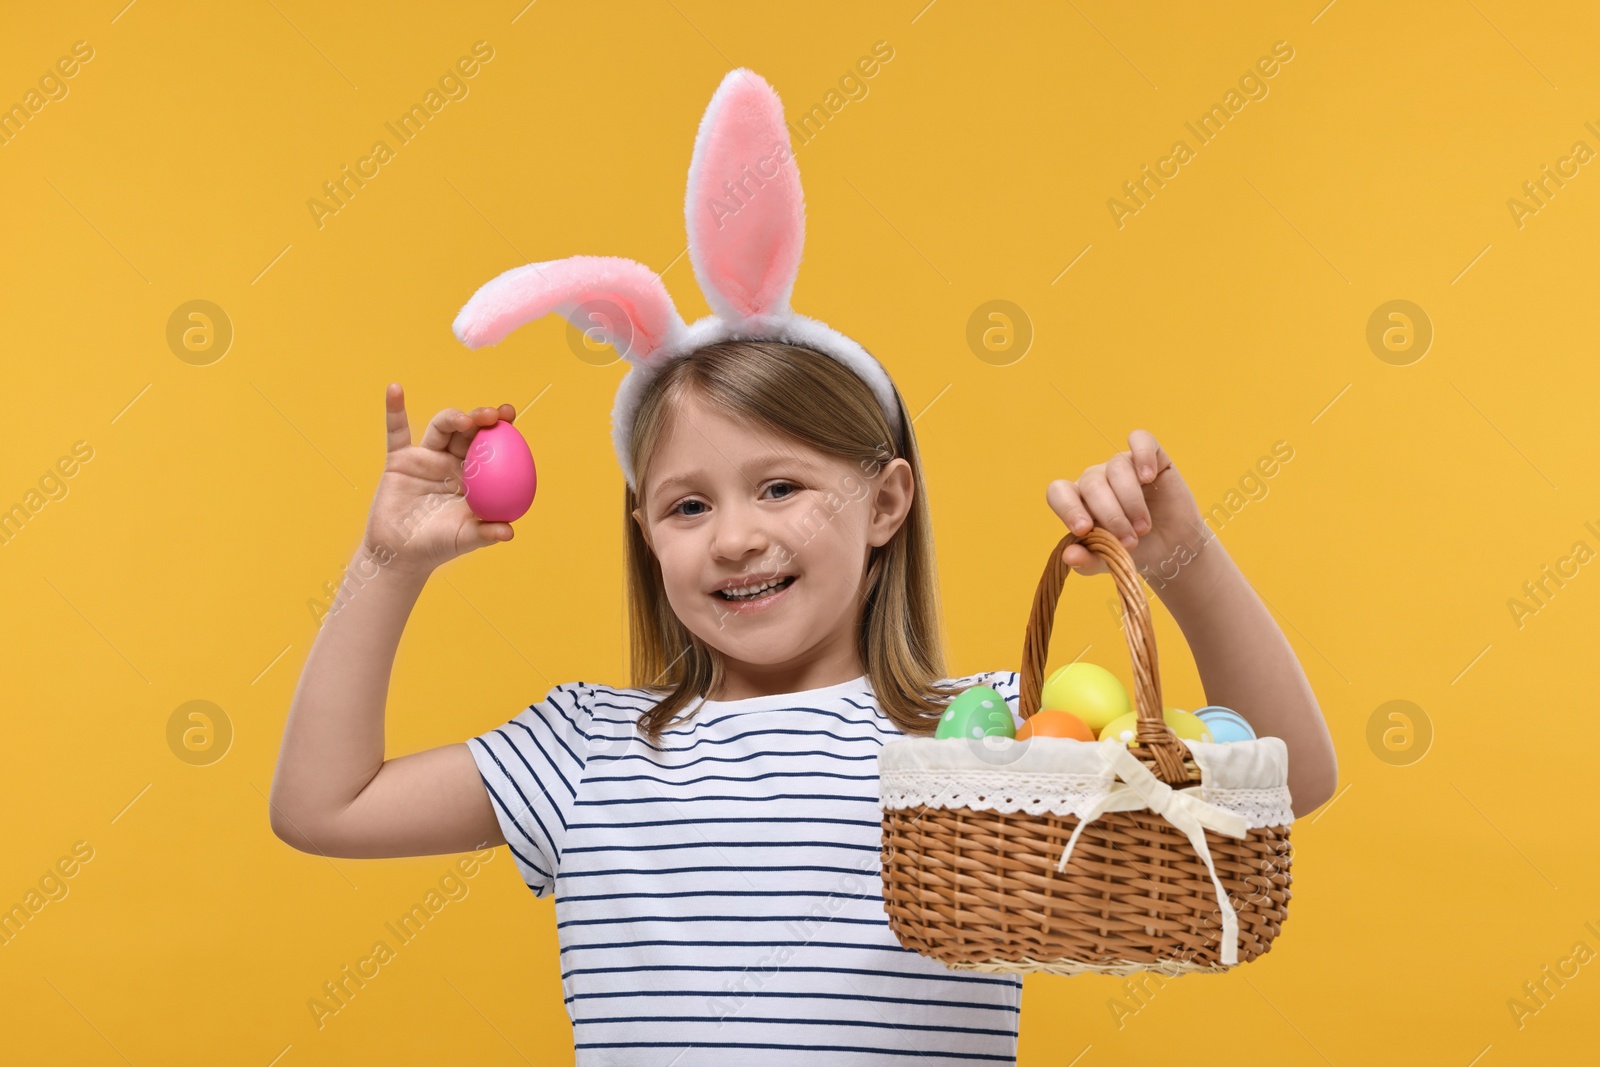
x: 420, y: 518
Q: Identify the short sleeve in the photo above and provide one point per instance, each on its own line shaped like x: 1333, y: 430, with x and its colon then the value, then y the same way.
x: 532, y: 767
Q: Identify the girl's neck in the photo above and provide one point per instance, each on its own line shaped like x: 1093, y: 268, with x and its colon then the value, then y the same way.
x: 742, y: 682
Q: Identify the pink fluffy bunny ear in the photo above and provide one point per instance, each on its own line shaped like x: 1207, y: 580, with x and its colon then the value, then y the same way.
x: 618, y: 301
x: 745, y: 211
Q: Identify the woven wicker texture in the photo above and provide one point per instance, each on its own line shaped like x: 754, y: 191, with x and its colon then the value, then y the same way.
x: 979, y: 890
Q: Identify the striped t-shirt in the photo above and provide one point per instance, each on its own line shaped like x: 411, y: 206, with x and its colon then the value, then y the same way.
x: 718, y: 895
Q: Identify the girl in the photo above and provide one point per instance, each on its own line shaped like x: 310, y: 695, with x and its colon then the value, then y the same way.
x: 712, y: 832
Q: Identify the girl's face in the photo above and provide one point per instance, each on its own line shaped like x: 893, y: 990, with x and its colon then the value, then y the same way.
x: 723, y: 502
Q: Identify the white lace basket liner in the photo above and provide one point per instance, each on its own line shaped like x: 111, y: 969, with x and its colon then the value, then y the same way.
x: 1244, y: 785
x: 1065, y: 856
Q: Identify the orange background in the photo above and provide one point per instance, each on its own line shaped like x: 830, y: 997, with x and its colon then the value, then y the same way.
x: 1228, y: 314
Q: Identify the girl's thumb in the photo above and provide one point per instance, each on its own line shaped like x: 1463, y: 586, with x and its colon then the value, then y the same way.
x: 490, y: 532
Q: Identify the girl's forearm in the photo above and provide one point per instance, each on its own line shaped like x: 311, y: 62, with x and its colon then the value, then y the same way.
x: 333, y: 740
x: 1246, y: 663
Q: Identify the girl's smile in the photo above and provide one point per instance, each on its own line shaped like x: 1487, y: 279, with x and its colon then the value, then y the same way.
x: 760, y: 602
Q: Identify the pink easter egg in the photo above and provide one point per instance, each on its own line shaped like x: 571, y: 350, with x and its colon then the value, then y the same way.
x: 498, y: 474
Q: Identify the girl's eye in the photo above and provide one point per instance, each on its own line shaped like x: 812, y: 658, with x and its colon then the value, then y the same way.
x: 677, y: 509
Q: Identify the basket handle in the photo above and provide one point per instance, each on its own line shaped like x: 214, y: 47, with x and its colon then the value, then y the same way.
x: 1159, y: 748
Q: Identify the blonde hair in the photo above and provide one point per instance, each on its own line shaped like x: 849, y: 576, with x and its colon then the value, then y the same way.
x: 800, y: 394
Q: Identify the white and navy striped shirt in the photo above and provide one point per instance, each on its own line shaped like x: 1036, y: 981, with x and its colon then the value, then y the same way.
x: 718, y: 895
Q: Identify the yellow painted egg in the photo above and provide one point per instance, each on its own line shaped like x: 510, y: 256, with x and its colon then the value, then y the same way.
x: 1090, y: 692
x: 1183, y: 723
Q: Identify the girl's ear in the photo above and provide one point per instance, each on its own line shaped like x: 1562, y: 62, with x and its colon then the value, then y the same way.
x: 745, y: 211
x: 891, y: 503
x: 617, y: 301
x: 644, y: 527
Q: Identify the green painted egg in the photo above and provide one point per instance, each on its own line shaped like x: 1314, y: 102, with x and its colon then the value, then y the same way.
x: 977, y: 712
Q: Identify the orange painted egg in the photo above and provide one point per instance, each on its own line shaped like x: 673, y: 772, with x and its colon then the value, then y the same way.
x: 1055, y: 724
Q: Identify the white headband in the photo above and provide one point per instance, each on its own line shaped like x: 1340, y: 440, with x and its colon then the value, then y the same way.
x: 746, y: 222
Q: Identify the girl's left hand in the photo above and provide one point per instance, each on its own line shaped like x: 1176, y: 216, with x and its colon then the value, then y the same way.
x: 1137, y: 495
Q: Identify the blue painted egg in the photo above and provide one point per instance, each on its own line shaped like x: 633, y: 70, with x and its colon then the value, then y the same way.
x: 1226, y: 724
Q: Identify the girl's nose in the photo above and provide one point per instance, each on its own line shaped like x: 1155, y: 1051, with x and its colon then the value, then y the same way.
x: 740, y: 531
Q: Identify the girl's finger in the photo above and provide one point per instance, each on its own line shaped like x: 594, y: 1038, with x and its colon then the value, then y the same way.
x: 1148, y: 458
x: 1065, y: 501
x: 441, y: 430
x: 477, y: 419
x: 398, y: 430
x: 1125, y: 483
x: 1105, y: 507
x: 1082, y: 561
x: 508, y: 413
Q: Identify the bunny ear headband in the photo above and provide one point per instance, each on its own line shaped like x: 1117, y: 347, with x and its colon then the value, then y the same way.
x: 746, y: 221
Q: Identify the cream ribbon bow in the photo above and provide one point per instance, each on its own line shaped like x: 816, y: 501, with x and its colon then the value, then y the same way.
x: 1139, y: 788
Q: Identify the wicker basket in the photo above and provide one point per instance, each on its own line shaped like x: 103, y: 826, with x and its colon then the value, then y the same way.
x: 1176, y: 853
